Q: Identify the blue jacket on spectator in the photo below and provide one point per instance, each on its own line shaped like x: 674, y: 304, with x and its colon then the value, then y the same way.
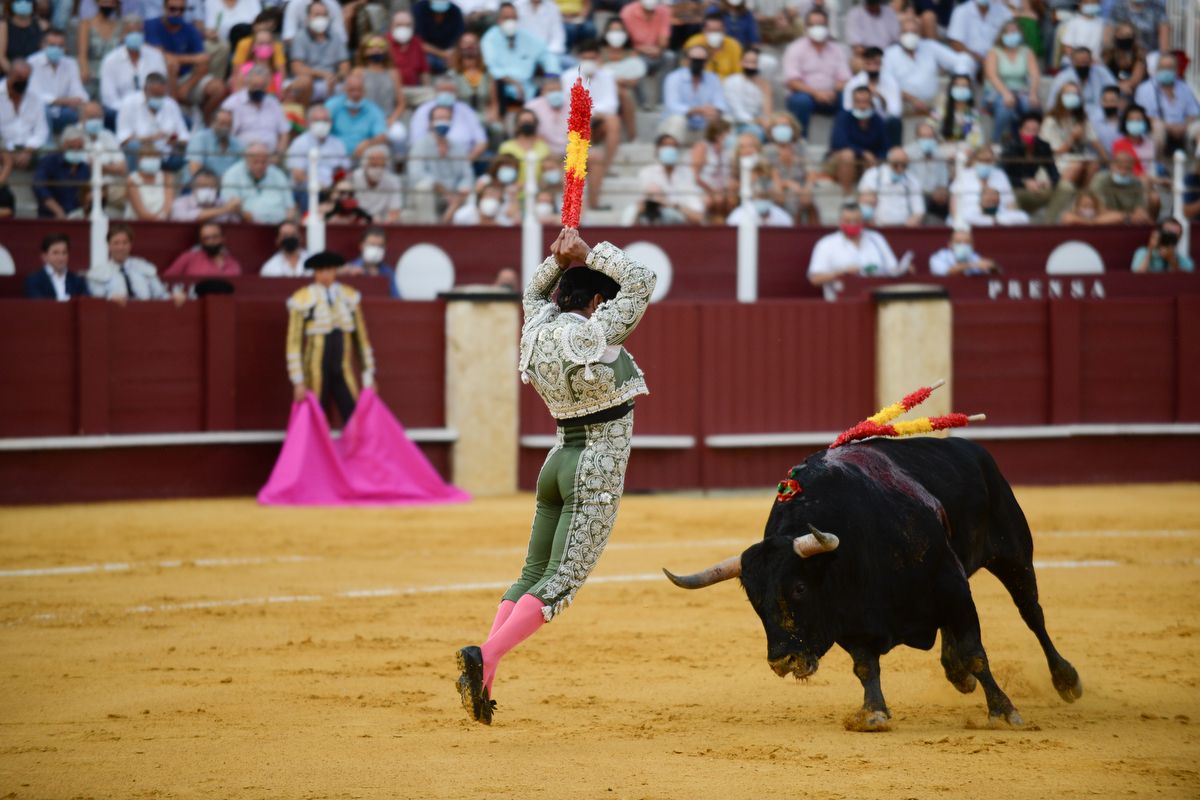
x: 849, y: 134
x: 39, y: 287
x: 58, y: 179
x: 743, y: 27
x: 443, y: 35
x: 187, y: 41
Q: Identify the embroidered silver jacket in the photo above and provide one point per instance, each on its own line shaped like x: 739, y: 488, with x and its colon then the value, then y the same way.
x: 577, y: 364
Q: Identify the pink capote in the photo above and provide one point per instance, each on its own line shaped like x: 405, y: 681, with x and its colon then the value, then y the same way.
x: 373, y: 464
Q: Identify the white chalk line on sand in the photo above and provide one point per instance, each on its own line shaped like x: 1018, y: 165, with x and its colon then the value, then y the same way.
x: 121, y: 566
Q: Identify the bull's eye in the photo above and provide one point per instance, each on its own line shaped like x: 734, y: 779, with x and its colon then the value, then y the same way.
x: 798, y: 589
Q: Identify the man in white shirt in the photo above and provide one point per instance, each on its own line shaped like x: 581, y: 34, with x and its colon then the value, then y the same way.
x: 55, y: 80
x: 1171, y: 106
x: 606, y: 122
x: 288, y: 260
x: 124, y: 71
x: 967, y: 190
x: 917, y: 66
x: 960, y: 258
x: 992, y: 214
x: 670, y: 187
x: 151, y: 116
x: 331, y: 153
x: 746, y: 93
x: 23, y: 125
x: 543, y: 19
x: 885, y: 92
x: 852, y: 250
x: 295, y: 18
x: 974, y: 26
x: 104, y: 149
x: 377, y: 189
x: 929, y: 163
x: 1085, y: 30
x: 124, y: 276
x: 766, y: 212
x: 900, y: 200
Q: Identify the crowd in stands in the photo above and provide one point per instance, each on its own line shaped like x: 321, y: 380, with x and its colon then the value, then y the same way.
x: 919, y: 112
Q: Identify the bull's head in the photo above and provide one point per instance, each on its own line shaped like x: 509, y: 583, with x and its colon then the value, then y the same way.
x: 783, y: 578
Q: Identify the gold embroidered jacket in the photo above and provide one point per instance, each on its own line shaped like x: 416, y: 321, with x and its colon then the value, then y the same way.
x: 576, y: 364
x: 310, y: 317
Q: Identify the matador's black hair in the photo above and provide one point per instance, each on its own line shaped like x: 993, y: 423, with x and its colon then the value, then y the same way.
x: 579, y: 285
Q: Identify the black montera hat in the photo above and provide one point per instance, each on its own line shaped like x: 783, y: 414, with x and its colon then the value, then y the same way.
x: 324, y: 260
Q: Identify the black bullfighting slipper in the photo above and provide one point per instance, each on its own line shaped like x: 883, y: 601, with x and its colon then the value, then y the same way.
x: 470, y: 684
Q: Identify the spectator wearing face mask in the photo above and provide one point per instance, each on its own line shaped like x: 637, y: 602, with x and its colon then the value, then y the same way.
x: 967, y: 190
x: 1090, y: 80
x: 739, y: 21
x: 551, y: 110
x: 372, y: 259
x: 1013, y: 81
x: 619, y: 58
x: 357, y: 121
x: 208, y: 259
x: 851, y: 250
x: 149, y: 189
x: 960, y: 257
x: 203, y: 203
x: 992, y: 214
x: 1148, y: 18
x: 670, y: 193
x: 648, y: 23
x: 786, y: 154
x: 440, y: 165
x: 900, y: 198
x: 466, y: 131
x: 749, y: 96
x: 378, y: 191
x: 1119, y: 190
x: 151, y: 117
x: 858, y: 141
x: 917, y: 65
x: 331, y: 151
x: 1136, y: 139
x: 1107, y: 123
x: 1126, y: 59
x: 20, y: 33
x: 288, y: 259
x: 1088, y: 210
x: 62, y: 177
x: 1029, y: 163
x: 885, y: 92
x: 543, y: 19
x: 958, y: 117
x: 23, y: 125
x: 319, y: 61
x: 692, y: 97
x: 763, y: 209
x: 1071, y: 136
x: 383, y: 86
x: 409, y: 58
x: 1084, y: 31
x: 513, y: 55
x: 871, y: 25
x: 545, y: 209
x: 263, y: 189
x: 490, y: 209
x: 440, y: 25
x: 606, y: 119
x: 124, y: 276
x: 724, y: 52
x: 526, y: 142
x: 124, y: 71
x: 814, y: 71
x: 215, y: 148
x: 54, y: 78
x: 182, y: 45
x: 343, y: 207
x: 931, y: 167
x: 974, y: 26
x: 1162, y: 253
x: 1171, y: 105
x: 295, y: 15
x: 257, y: 115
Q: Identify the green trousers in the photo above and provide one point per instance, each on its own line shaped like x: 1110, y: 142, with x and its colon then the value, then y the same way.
x: 578, y: 491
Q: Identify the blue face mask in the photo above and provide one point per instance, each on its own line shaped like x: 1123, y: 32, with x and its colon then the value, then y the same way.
x: 93, y: 126
x: 1013, y: 38
x: 1122, y: 180
x: 155, y: 103
x: 133, y: 40
x: 440, y: 6
x: 962, y: 252
x: 441, y: 128
x: 1165, y: 77
x: 150, y: 165
x: 506, y: 174
x: 22, y: 8
x: 927, y: 145
x: 782, y: 133
x: 1090, y: 9
x: 861, y: 113
x: 444, y: 99
x: 868, y: 213
x: 983, y: 171
x: 961, y: 94
x: 75, y: 156
x: 353, y: 105
x: 1071, y: 101
x: 1136, y: 127
x: 668, y: 155
x: 763, y: 206
x: 54, y: 53
x: 555, y: 99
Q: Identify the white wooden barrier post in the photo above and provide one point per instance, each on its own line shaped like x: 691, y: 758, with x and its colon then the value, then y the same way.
x: 531, y: 226
x: 747, y: 238
x: 315, y: 227
x: 99, y: 220
x: 1178, y: 184
x: 960, y: 166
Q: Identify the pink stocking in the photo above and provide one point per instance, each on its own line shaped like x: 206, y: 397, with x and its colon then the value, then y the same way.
x: 502, y: 614
x: 523, y: 622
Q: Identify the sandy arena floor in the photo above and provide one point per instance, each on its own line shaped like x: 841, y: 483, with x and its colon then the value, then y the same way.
x: 221, y: 650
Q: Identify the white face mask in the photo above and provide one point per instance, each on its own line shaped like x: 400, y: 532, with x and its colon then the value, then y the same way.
x: 205, y: 195
x: 818, y: 33
x: 318, y: 24
x: 489, y: 207
x: 616, y: 38
x: 402, y: 33
x: 372, y: 253
x: 544, y: 209
x: 909, y: 40
x: 649, y: 5
x: 374, y: 174
x: 715, y: 39
x: 509, y: 27
x: 321, y: 128
x: 588, y: 68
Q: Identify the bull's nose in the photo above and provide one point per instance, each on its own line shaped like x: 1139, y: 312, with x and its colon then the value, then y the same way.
x: 782, y: 666
x: 798, y: 665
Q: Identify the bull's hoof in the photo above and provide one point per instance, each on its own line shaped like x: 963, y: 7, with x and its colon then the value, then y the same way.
x: 867, y: 721
x: 1069, y: 687
x: 1010, y: 719
x: 966, y: 684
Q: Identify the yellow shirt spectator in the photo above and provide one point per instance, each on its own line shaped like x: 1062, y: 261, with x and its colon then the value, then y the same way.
x: 725, y: 61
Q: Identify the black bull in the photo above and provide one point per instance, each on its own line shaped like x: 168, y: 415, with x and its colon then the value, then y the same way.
x: 911, y: 520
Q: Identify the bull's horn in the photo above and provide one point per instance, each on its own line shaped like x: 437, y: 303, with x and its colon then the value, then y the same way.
x: 814, y: 542
x: 721, y: 571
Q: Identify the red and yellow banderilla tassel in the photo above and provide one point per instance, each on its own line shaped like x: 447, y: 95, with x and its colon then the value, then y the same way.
x: 579, y: 138
x: 878, y: 423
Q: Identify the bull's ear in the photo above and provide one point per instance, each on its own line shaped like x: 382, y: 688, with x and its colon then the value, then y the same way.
x: 814, y: 542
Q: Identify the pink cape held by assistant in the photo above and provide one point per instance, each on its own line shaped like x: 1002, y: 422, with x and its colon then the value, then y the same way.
x: 373, y: 463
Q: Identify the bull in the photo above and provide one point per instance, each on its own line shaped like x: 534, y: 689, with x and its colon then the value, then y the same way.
x: 873, y: 549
